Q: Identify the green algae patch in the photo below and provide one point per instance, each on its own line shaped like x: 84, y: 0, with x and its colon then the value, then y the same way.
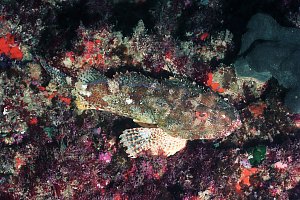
x: 257, y: 154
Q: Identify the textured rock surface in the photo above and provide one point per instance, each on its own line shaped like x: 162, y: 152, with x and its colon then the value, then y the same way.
x: 269, y: 49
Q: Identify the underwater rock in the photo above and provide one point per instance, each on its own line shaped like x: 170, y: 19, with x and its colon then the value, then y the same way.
x: 269, y: 49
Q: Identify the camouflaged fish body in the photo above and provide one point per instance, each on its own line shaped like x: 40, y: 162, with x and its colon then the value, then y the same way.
x: 171, y: 111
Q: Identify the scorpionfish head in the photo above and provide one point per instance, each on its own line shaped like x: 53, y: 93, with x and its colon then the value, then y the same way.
x: 218, y: 120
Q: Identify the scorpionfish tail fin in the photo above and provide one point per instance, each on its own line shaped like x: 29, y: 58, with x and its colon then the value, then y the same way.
x: 154, y: 140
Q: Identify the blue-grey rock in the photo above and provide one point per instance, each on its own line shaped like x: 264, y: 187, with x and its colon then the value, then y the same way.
x: 267, y: 50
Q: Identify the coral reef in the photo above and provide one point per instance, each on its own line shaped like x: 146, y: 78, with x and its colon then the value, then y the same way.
x: 53, y: 146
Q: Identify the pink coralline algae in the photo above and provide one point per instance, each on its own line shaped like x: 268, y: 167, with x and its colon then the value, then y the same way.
x: 158, y: 65
x: 105, y: 157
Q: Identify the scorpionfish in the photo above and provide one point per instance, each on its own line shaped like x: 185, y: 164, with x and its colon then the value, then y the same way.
x: 170, y: 111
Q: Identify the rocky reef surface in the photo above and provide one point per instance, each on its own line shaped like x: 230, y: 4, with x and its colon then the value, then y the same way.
x: 51, y: 149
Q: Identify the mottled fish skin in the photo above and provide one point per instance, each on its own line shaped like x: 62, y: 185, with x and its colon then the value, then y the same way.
x: 180, y: 108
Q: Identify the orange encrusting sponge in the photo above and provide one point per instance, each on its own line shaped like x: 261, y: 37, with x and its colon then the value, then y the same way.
x: 10, y: 48
x: 215, y: 86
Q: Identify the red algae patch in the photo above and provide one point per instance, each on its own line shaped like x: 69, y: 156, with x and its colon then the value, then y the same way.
x: 10, y: 48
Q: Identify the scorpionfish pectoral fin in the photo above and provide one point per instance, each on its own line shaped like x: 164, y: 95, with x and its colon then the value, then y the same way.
x: 154, y: 140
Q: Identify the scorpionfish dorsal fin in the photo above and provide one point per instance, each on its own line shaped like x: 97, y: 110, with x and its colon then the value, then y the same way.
x: 154, y: 140
x: 91, y: 76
